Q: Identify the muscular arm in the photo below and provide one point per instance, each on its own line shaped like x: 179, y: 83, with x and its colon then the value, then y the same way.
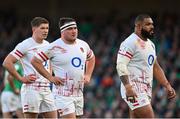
x: 38, y: 65
x: 130, y: 94
x: 160, y: 76
x: 123, y: 73
x: 89, y: 69
x: 125, y: 80
x: 9, y: 65
x: 90, y: 66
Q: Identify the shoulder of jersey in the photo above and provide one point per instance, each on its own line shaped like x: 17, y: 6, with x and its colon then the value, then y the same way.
x: 152, y: 43
x: 80, y: 41
x: 56, y: 41
x: 27, y: 41
x: 131, y: 39
x: 45, y: 41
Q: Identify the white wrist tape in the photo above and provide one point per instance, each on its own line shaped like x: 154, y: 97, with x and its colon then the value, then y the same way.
x: 121, y: 66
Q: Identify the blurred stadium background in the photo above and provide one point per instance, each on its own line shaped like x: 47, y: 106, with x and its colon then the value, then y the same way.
x: 103, y: 24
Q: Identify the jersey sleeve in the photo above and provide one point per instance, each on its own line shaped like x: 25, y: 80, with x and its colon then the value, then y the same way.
x: 19, y: 51
x: 126, y: 50
x: 125, y: 53
x: 90, y: 52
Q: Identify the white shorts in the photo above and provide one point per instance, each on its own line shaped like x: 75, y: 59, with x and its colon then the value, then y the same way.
x: 37, y: 99
x: 141, y: 100
x: 67, y: 105
x: 10, y: 102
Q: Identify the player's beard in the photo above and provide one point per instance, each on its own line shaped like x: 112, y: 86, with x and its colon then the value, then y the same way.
x: 146, y: 34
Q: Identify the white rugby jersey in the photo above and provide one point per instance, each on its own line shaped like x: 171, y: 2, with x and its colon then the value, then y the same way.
x: 24, y: 52
x: 142, y: 56
x: 68, y: 62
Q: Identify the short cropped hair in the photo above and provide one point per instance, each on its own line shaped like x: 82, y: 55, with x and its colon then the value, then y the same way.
x: 65, y: 20
x: 141, y: 17
x: 37, y: 21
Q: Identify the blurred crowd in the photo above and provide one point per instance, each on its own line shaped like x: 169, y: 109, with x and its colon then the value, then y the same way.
x: 104, y: 34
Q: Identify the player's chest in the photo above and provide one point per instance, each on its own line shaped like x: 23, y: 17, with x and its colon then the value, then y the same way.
x: 70, y: 54
x: 146, y: 52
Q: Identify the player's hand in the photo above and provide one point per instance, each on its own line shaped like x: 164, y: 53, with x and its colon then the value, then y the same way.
x: 29, y: 79
x: 170, y: 92
x: 57, y: 80
x: 130, y: 94
x: 86, y: 79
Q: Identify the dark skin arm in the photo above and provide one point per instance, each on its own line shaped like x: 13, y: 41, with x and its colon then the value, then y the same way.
x: 160, y: 76
x: 130, y: 94
x: 89, y: 69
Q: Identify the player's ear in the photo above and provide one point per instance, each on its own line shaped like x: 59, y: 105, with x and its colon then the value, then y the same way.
x: 33, y: 29
x: 138, y: 26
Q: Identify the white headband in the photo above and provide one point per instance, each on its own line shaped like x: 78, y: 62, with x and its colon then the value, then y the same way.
x: 68, y: 25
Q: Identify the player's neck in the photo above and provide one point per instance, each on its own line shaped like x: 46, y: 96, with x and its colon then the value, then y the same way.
x: 69, y: 42
x: 38, y: 40
x: 140, y: 36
